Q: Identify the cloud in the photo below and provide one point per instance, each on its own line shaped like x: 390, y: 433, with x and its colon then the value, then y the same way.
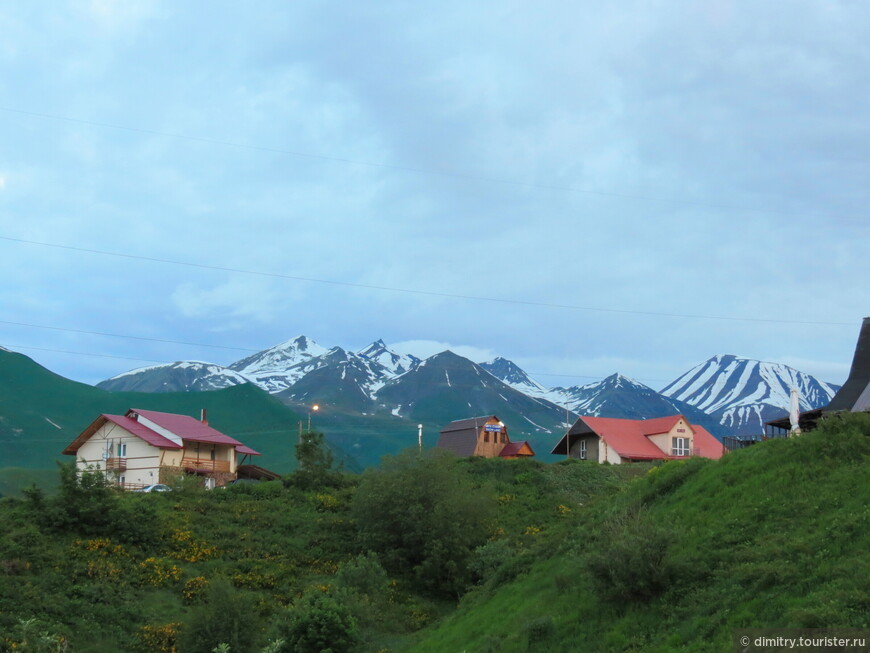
x: 231, y: 300
x: 427, y: 348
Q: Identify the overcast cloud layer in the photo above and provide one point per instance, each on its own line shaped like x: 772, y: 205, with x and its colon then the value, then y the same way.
x: 640, y: 158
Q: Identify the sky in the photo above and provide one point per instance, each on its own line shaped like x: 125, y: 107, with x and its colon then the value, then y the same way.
x: 583, y: 188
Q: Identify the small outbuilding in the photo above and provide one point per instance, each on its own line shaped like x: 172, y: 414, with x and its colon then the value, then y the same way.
x: 485, y: 436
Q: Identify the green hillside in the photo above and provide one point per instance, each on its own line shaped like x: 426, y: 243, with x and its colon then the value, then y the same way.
x: 42, y: 412
x: 775, y: 535
x: 434, y: 553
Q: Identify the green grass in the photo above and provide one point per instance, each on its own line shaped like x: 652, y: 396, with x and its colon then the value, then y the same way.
x: 775, y: 535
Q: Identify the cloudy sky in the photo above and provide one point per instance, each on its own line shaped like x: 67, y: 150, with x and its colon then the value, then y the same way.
x: 581, y: 187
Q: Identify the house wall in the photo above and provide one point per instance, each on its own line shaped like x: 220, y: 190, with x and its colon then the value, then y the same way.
x: 680, y: 429
x: 202, y: 451
x: 143, y: 459
x: 592, y: 447
x: 496, y: 440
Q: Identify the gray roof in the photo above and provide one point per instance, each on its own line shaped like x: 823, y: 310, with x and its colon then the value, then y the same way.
x: 470, y: 423
x: 460, y: 436
x: 854, y: 392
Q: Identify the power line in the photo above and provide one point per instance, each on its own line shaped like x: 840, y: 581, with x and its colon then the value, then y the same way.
x: 429, y: 293
x: 85, y: 353
x: 129, y: 337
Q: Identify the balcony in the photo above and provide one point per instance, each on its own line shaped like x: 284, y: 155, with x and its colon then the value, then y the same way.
x: 116, y: 464
x: 205, y: 466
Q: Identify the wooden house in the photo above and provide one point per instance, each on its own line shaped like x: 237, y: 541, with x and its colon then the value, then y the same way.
x: 143, y: 447
x: 485, y: 436
x: 611, y: 440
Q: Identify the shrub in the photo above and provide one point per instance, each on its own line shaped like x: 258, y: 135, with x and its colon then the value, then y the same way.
x: 228, y: 616
x: 632, y: 561
x: 424, y: 519
x: 318, y: 624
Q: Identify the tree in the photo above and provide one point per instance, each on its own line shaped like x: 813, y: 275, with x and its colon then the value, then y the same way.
x: 424, y: 518
x: 315, y: 462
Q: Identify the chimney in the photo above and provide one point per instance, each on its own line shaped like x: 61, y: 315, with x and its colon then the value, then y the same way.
x: 203, y: 416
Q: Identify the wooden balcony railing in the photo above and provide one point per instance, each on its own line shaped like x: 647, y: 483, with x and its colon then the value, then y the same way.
x: 116, y: 464
x: 205, y: 465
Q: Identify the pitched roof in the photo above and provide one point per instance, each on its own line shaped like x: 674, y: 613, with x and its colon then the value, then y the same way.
x: 630, y: 437
x: 190, y: 428
x: 851, y: 395
x: 185, y: 427
x: 514, y: 449
x: 470, y: 423
x: 462, y: 443
x: 127, y: 423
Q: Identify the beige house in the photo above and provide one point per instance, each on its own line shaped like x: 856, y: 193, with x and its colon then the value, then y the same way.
x: 143, y: 447
x: 611, y: 440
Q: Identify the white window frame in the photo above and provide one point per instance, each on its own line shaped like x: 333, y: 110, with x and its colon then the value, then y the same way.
x: 122, y: 450
x: 680, y: 446
x: 583, y: 449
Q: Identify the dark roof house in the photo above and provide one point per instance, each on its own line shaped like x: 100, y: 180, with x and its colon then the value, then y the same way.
x: 485, y: 436
x: 853, y: 397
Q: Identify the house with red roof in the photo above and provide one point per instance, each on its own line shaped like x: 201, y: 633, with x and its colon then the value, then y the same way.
x: 485, y: 436
x: 143, y: 447
x: 611, y: 440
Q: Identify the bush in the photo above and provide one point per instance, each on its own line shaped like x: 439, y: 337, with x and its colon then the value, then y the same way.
x: 87, y: 505
x: 424, y: 519
x: 318, y: 624
x: 227, y: 617
x: 632, y: 561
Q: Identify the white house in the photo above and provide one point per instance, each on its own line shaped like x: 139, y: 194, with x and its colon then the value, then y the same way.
x: 145, y: 446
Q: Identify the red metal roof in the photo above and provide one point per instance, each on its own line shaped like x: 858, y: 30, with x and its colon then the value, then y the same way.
x: 514, y: 448
x: 630, y: 438
x: 142, y: 431
x: 187, y: 428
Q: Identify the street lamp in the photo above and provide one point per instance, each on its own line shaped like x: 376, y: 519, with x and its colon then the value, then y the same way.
x: 313, y: 409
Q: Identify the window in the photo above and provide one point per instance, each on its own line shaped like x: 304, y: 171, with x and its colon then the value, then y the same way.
x: 122, y: 481
x: 582, y: 449
x: 122, y: 449
x: 486, y: 436
x: 679, y: 446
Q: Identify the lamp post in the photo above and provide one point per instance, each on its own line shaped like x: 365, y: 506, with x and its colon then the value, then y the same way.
x: 313, y: 409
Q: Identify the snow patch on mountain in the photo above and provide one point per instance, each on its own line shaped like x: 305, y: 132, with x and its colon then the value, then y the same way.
x: 277, y: 368
x: 743, y: 393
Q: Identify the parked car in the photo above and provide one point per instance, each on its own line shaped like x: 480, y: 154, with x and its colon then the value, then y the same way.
x: 157, y: 487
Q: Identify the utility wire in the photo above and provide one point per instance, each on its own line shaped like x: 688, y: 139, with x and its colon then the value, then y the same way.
x: 429, y: 293
x: 129, y: 337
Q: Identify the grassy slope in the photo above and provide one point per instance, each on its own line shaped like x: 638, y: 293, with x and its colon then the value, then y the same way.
x: 29, y: 394
x: 773, y: 535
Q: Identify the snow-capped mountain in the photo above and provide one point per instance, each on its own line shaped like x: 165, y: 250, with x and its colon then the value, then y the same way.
x: 180, y: 376
x: 447, y: 386
x: 340, y: 378
x: 277, y: 368
x: 393, y: 363
x: 515, y: 376
x: 742, y: 393
x: 622, y: 397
